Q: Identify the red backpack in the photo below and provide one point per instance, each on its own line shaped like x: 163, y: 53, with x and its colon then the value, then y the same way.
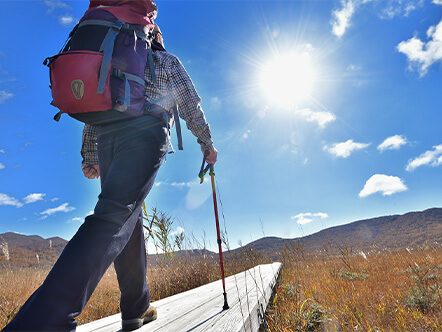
x: 98, y: 76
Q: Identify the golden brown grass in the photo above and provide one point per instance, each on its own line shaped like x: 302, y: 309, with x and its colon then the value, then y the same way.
x: 331, y: 291
x: 175, y: 271
x: 344, y: 291
x: 16, y: 285
x: 170, y: 275
x: 335, y: 290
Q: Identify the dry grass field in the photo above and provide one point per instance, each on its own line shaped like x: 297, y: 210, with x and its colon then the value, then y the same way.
x: 331, y: 291
x: 168, y: 275
x: 360, y: 291
x: 336, y: 289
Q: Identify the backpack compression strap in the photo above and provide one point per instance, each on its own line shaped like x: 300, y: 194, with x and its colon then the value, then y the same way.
x: 123, y: 103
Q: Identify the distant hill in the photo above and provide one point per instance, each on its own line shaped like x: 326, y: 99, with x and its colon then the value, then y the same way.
x: 31, y: 250
x: 413, y: 229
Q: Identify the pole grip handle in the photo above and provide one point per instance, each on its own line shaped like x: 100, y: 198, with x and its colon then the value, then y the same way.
x: 203, y: 170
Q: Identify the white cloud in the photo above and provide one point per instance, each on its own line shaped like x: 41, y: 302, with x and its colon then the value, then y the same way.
x: 392, y: 143
x: 305, y: 218
x: 400, y: 8
x: 437, y: 2
x: 182, y: 184
x: 8, y: 200
x: 26, y: 145
x: 53, y: 5
x: 54, y: 199
x: 176, y: 184
x: 342, y: 17
x: 320, y: 117
x: 2, y: 151
x: 178, y: 231
x: 345, y: 149
x: 356, y: 75
x: 422, y: 55
x: 431, y: 157
x: 32, y: 198
x: 307, y: 47
x: 385, y: 184
x: 353, y: 68
x: 75, y: 220
x: 66, y: 20
x: 411, y: 6
x: 2, y: 166
x: 5, y: 96
x: 62, y: 208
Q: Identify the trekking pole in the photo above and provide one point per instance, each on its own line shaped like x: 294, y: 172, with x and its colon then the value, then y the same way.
x: 218, y: 234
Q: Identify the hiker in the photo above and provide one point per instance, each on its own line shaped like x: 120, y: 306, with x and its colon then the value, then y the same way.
x: 129, y: 153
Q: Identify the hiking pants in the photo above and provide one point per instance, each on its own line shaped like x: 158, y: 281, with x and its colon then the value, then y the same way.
x: 130, y: 154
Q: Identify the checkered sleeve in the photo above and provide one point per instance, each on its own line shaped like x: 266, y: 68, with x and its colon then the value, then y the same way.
x: 188, y: 101
x: 89, y: 145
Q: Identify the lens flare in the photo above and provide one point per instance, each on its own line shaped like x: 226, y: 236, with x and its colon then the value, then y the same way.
x: 272, y: 30
x: 197, y: 195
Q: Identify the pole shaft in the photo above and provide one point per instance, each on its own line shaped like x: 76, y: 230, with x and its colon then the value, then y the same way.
x: 215, y: 206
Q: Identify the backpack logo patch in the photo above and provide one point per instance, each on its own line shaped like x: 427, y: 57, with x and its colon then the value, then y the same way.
x: 77, y: 87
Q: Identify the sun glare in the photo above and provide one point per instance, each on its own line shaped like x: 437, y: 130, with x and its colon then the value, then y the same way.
x: 288, y: 79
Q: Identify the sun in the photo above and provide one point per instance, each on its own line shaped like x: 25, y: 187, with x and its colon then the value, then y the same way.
x: 288, y: 79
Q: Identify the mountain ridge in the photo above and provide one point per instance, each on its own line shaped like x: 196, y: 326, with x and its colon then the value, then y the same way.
x: 412, y: 229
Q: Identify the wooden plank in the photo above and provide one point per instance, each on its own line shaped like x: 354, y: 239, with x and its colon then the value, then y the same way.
x: 200, y: 309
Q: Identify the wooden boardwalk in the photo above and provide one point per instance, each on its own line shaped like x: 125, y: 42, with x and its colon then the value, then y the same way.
x: 200, y: 309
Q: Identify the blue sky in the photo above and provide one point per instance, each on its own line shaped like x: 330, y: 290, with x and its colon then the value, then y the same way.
x: 352, y: 132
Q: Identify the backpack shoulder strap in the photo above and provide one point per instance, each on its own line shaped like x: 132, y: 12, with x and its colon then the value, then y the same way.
x: 107, y: 47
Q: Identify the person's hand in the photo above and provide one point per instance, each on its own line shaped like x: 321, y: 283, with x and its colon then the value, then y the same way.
x: 91, y: 171
x: 212, y: 156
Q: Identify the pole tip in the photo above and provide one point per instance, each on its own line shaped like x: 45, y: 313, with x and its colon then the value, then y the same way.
x: 226, y: 305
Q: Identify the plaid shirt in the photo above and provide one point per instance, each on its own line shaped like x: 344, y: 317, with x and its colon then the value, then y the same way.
x: 172, y: 87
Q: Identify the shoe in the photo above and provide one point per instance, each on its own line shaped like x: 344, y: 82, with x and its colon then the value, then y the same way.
x: 133, y: 324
